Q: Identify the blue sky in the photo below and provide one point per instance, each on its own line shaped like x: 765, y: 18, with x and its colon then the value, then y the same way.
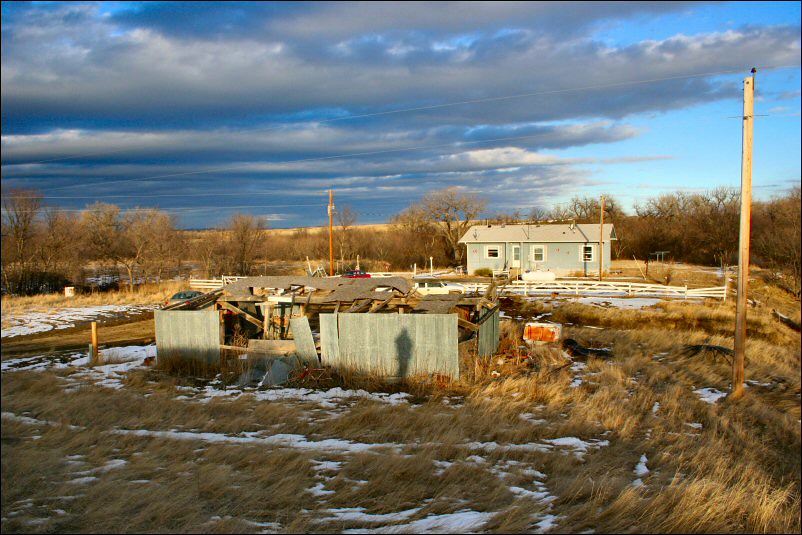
x: 210, y: 109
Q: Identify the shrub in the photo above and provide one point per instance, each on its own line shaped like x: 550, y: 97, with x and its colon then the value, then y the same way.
x: 483, y: 272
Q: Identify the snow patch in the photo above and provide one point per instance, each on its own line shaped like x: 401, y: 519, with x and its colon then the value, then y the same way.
x: 641, y: 469
x: 709, y: 395
x: 465, y: 521
x: 36, y: 322
x: 281, y: 440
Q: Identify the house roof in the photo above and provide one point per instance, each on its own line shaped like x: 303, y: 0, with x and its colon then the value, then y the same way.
x: 582, y: 233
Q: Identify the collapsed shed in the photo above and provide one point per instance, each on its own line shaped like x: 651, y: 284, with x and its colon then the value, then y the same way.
x: 379, y: 325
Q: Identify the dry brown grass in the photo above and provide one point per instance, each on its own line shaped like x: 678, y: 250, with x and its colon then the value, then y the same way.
x: 145, y: 294
x: 738, y: 472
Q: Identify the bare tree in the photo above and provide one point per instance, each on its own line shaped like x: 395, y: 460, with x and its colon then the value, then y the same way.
x: 414, y: 237
x: 212, y: 248
x: 164, y: 243
x: 346, y: 219
x: 101, y: 228
x: 539, y: 213
x: 453, y: 211
x: 560, y: 212
x: 134, y: 238
x: 778, y: 237
x: 20, y: 210
x: 246, y: 231
x: 57, y: 246
x: 510, y: 218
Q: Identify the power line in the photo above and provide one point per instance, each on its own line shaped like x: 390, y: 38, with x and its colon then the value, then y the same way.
x: 184, y: 209
x: 465, y: 102
x: 302, y: 160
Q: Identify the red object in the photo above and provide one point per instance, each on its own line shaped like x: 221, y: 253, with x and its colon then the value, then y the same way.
x: 356, y: 275
x: 534, y: 332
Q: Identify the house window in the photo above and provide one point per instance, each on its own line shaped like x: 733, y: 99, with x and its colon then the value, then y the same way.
x: 492, y: 252
x: 588, y: 253
x: 538, y: 253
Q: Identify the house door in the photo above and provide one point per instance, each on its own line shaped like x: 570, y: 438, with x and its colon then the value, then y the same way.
x: 516, y: 256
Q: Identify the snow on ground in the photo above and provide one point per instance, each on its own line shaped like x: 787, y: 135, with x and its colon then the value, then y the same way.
x: 574, y: 445
x: 641, y: 470
x: 709, y: 395
x: 124, y: 359
x: 526, y: 482
x: 465, y: 521
x: 64, y: 318
x: 283, y: 440
x: 629, y: 303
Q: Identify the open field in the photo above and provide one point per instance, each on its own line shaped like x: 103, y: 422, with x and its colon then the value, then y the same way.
x: 638, y: 442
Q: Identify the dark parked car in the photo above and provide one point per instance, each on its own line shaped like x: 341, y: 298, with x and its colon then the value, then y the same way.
x: 356, y: 274
x: 180, y: 297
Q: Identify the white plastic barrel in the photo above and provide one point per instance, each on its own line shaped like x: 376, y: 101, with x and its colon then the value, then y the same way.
x: 538, y: 276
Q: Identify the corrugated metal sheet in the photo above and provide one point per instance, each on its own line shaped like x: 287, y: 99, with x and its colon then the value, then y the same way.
x: 329, y: 338
x: 304, y: 342
x: 396, y: 345
x: 489, y: 335
x: 188, y: 334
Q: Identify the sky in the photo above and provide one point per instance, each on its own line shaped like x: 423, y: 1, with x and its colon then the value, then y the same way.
x: 209, y: 109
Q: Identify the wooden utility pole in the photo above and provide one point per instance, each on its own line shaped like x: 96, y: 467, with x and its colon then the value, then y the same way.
x: 331, y: 232
x: 601, y: 238
x: 743, y: 248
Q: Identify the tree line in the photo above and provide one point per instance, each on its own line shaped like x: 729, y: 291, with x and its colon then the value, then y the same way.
x: 44, y: 248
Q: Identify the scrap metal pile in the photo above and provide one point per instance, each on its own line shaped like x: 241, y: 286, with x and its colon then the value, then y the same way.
x: 261, y: 307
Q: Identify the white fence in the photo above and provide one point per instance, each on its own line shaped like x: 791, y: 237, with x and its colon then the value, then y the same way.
x: 611, y: 288
x: 534, y: 288
x: 212, y: 284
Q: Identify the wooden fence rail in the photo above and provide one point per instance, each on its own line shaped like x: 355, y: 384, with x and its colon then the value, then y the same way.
x: 212, y: 284
x: 532, y: 288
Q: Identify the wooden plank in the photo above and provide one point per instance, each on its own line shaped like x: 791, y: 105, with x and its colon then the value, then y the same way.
x: 467, y: 324
x: 236, y: 310
x: 379, y: 306
x: 304, y: 342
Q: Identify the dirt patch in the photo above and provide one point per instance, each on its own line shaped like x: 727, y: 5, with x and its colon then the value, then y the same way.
x: 124, y: 332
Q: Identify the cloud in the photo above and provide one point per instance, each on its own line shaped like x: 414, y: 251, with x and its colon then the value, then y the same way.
x: 76, y: 66
x: 383, y: 101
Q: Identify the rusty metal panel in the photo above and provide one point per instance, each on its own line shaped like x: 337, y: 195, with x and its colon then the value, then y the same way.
x: 191, y: 334
x: 489, y: 335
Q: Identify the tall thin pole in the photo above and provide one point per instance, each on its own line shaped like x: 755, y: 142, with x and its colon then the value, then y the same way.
x: 601, y: 238
x: 743, y: 248
x: 95, y: 354
x: 331, y: 232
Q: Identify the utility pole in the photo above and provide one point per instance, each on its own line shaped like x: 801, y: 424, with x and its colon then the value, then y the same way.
x: 743, y: 246
x: 331, y: 232
x: 601, y: 238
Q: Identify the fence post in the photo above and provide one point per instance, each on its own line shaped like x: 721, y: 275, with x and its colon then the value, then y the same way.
x: 686, y: 292
x: 95, y: 355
